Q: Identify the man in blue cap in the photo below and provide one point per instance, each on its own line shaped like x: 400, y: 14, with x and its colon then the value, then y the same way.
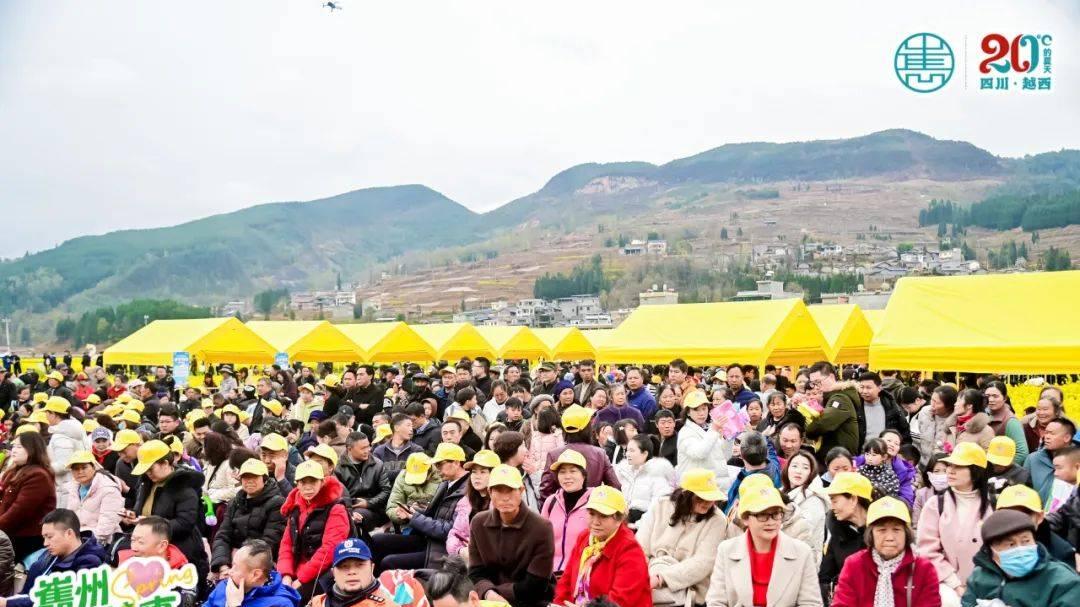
x: 355, y: 584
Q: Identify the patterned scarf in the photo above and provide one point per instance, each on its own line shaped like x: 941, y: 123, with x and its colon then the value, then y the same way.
x: 883, y: 594
x: 589, y: 555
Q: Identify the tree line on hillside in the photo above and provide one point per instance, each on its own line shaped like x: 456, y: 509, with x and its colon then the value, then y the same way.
x: 584, y: 279
x: 1007, y: 211
x: 110, y: 324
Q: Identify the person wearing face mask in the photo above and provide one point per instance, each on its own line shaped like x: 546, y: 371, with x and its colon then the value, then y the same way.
x: 1014, y: 569
x: 935, y: 480
x: 252, y: 581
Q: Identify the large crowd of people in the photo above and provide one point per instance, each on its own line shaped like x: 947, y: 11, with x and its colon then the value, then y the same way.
x: 559, y: 484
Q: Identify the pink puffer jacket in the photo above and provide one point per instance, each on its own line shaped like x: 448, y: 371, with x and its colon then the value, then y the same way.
x: 567, y: 526
x: 101, y: 509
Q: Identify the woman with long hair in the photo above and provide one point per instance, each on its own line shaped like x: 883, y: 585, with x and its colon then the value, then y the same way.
x: 221, y: 484
x: 803, y: 487
x: 476, y: 500
x: 644, y: 477
x: 935, y: 421
x: 27, y: 493
x: 949, y: 525
x: 1003, y: 420
x: 679, y: 536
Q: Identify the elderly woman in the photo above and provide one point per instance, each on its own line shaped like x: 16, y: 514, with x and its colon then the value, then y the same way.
x: 763, y: 566
x: 606, y: 560
x: 680, y: 535
x: 1048, y: 408
x: 98, y: 502
x: 887, y: 573
x: 949, y: 523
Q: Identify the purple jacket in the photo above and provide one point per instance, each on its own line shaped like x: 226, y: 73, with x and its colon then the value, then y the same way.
x: 905, y: 473
x: 597, y: 469
x: 611, y: 414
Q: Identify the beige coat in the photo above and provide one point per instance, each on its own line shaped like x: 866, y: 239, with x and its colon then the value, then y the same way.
x: 794, y: 577
x: 977, y: 431
x: 682, y: 555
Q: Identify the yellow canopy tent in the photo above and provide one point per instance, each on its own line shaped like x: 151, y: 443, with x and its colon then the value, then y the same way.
x: 308, y: 340
x: 757, y: 332
x: 514, y: 342
x: 846, y: 331
x: 386, y: 342
x: 210, y: 340
x: 1002, y: 323
x: 455, y: 340
x: 566, y: 343
x: 875, y: 318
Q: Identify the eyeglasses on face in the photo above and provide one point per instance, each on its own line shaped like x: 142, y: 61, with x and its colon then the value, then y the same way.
x: 764, y: 517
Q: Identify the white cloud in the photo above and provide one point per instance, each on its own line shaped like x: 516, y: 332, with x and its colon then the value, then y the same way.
x: 125, y: 114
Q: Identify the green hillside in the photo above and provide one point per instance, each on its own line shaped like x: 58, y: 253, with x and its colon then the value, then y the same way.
x: 288, y: 243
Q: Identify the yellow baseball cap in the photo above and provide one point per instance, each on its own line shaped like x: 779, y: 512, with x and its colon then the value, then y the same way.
x: 231, y: 408
x: 194, y: 414
x: 274, y: 406
x: 702, y: 483
x: 124, y: 398
x: 149, y: 454
x: 308, y: 387
x: 759, y: 497
x: 89, y: 425
x: 136, y: 404
x: 93, y: 399
x: 888, y: 507
x: 484, y: 458
x: 606, y: 500
x: 416, y: 468
x: 38, y: 417
x: 324, y: 451
x: 695, y: 399
x: 576, y: 418
x: 274, y: 442
x: 570, y: 456
x: 460, y: 416
x: 174, y: 443
x: 755, y: 481
x: 1019, y: 496
x: 254, y: 466
x: 81, y: 457
x: 309, y: 469
x: 505, y: 476
x: 1001, y: 451
x: 40, y: 397
x: 383, y: 432
x: 55, y: 375
x: 967, y: 454
x: 206, y: 403
x: 448, y: 452
x: 332, y: 380
x: 126, y: 438
x: 113, y: 410
x: 851, y: 483
x: 23, y: 429
x: 131, y: 416
x: 58, y: 404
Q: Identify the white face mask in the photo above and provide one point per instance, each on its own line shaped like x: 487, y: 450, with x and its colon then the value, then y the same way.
x: 939, y: 482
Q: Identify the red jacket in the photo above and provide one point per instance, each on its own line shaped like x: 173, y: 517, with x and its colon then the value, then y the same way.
x: 622, y: 554
x: 172, y: 554
x: 335, y: 531
x: 27, y: 494
x: 858, y: 581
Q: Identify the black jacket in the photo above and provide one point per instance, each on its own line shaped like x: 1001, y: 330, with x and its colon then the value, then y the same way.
x: 895, y: 418
x: 177, y: 501
x: 845, y: 540
x: 372, y: 396
x: 249, y: 518
x: 669, y: 448
x: 122, y: 470
x: 368, y: 480
x: 437, y: 520
x: 429, y: 436
x: 1065, y: 521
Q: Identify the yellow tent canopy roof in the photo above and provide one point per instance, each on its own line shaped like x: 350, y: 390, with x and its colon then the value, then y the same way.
x: 386, y: 342
x: 875, y: 318
x: 455, y: 340
x: 566, y: 343
x: 846, y: 332
x: 514, y: 342
x: 308, y: 340
x: 779, y: 331
x: 1004, y: 323
x: 210, y: 340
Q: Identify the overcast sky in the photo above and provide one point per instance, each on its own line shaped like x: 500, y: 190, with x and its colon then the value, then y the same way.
x: 118, y: 114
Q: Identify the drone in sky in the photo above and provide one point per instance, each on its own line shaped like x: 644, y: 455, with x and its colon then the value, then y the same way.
x: 333, y: 6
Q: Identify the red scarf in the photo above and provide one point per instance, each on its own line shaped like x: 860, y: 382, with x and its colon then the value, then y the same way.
x: 100, y: 455
x: 961, y: 422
